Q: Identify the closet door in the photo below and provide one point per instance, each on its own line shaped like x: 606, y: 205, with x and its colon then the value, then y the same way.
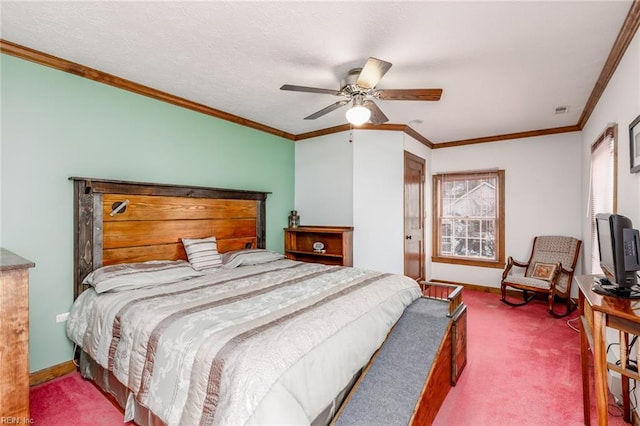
x: 414, y: 172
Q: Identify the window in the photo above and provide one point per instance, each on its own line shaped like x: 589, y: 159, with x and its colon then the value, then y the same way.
x: 603, y: 186
x: 468, y: 220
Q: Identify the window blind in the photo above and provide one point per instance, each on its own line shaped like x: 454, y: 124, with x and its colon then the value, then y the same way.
x: 603, y: 186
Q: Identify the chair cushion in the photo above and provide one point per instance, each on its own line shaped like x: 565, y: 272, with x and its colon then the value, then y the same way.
x: 553, y: 249
x: 514, y: 280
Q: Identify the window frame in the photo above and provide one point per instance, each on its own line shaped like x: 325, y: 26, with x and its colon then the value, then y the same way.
x: 436, y: 255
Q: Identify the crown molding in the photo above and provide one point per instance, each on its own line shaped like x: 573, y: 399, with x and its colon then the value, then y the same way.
x: 322, y: 132
x: 626, y: 34
x: 45, y: 59
x: 417, y: 136
x: 509, y: 136
x: 383, y: 127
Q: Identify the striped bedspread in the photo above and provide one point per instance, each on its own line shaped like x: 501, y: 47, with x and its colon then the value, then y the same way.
x: 263, y: 344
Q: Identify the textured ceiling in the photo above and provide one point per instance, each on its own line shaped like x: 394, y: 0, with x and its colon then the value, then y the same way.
x: 504, y: 66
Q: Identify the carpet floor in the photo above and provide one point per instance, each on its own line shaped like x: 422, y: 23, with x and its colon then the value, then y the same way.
x: 523, y: 368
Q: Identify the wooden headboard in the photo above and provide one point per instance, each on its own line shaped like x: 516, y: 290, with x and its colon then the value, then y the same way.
x: 119, y: 221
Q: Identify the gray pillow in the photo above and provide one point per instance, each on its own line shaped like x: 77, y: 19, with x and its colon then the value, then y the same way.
x: 129, y: 276
x: 233, y: 259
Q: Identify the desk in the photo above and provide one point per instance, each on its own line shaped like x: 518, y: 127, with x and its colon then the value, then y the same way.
x: 598, y: 312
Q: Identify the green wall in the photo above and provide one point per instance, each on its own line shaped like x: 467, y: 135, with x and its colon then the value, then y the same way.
x: 56, y: 125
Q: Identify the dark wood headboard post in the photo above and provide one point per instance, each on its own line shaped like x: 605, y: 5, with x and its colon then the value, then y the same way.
x: 83, y: 235
x: 88, y: 214
x: 262, y: 223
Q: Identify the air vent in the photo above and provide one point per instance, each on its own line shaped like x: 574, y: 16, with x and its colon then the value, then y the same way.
x: 562, y: 109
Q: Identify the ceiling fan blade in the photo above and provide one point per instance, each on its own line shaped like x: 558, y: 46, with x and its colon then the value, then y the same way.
x: 410, y: 94
x: 377, y: 116
x: 326, y: 110
x: 372, y: 72
x: 295, y: 88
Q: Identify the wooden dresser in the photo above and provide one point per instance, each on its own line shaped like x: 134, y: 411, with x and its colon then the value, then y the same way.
x: 337, y: 244
x: 14, y: 337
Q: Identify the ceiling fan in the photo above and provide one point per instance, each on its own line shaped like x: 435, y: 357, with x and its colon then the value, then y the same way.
x: 359, y: 87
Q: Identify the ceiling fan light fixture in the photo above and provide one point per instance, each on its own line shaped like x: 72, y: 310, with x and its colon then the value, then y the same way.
x: 359, y: 86
x: 358, y: 114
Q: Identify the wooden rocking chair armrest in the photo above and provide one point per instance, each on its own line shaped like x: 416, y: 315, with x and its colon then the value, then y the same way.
x: 564, y: 270
x: 518, y: 262
x: 556, y: 274
x: 511, y: 262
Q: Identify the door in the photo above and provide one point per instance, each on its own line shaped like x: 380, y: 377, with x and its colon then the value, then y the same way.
x: 414, y: 260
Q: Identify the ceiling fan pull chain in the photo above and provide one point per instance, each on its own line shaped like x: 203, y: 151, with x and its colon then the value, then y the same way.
x: 350, y: 133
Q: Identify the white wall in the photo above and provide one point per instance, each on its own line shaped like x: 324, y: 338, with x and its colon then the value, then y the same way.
x: 542, y: 194
x: 324, y: 180
x: 620, y: 103
x: 358, y: 184
x: 378, y: 203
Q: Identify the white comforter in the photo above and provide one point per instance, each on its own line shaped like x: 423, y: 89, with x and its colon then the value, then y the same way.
x: 264, y: 344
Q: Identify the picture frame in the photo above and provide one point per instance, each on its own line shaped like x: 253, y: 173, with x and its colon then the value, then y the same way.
x: 543, y: 271
x: 634, y: 145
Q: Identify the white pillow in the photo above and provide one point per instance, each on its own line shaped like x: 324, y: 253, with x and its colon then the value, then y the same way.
x: 202, y: 253
x: 129, y: 276
x: 233, y: 259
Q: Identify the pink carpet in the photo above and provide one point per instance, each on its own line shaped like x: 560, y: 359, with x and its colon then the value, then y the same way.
x: 523, y: 368
x: 72, y: 401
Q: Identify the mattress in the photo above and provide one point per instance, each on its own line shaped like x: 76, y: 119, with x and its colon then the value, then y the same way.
x: 262, y: 344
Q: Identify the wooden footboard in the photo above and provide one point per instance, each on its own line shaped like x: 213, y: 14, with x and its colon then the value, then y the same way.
x: 452, y: 356
x: 444, y: 371
x: 438, y: 291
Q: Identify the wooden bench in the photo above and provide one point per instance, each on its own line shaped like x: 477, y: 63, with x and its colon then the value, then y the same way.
x: 409, y: 377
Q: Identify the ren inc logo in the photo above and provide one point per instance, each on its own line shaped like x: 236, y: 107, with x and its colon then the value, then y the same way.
x: 16, y: 421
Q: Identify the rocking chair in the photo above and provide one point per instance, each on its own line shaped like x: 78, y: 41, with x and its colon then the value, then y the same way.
x: 549, y: 271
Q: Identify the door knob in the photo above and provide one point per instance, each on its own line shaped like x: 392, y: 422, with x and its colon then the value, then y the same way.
x: 408, y: 237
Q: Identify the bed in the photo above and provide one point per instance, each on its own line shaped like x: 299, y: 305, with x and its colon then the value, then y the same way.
x: 258, y: 339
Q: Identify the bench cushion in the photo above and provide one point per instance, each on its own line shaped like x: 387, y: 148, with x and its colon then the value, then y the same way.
x: 389, y: 391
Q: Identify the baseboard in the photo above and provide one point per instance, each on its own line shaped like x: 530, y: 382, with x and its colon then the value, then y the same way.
x: 485, y: 289
x: 51, y: 373
x: 474, y: 287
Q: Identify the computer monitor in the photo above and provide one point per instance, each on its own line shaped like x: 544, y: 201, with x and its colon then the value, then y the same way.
x: 618, y: 245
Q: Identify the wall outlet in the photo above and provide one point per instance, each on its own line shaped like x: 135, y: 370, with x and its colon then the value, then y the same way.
x: 62, y: 317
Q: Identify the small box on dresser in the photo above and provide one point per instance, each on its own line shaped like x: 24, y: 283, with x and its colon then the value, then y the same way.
x: 14, y: 337
x: 336, y: 244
